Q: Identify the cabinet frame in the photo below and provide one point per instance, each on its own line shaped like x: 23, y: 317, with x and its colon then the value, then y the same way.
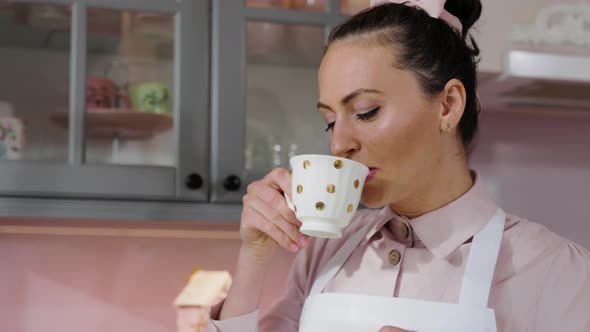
x: 190, y: 115
x: 209, y: 124
x: 228, y: 95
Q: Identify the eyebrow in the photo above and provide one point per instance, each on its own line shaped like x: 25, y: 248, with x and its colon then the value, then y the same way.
x: 350, y: 97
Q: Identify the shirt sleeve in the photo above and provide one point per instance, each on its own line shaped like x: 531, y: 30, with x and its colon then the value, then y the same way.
x: 245, y: 323
x: 565, y: 297
x: 285, y: 312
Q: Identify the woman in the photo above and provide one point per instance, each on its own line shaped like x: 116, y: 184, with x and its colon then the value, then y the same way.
x: 398, y: 94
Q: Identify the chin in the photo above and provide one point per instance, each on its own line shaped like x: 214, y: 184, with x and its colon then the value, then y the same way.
x: 373, y: 199
x: 372, y: 205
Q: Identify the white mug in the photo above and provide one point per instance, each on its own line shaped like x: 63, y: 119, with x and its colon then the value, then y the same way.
x: 325, y: 193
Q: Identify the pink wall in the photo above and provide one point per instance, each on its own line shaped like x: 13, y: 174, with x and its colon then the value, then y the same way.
x: 536, y: 166
x: 100, y: 283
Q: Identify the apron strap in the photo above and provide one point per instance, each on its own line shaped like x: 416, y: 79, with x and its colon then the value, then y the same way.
x: 337, y: 261
x: 479, y: 270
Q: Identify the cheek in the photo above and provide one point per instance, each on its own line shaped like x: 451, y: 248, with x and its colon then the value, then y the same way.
x: 404, y: 141
x: 391, y: 136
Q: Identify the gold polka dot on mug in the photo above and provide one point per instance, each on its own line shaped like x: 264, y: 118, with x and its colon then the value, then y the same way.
x: 320, y: 206
x: 338, y: 164
x: 331, y: 188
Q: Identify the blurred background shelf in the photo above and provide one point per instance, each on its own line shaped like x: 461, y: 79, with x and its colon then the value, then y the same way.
x: 127, y: 124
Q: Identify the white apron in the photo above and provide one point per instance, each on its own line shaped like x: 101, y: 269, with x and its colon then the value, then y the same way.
x: 350, y: 312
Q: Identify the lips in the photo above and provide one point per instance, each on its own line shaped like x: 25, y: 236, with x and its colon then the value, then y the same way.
x: 372, y: 173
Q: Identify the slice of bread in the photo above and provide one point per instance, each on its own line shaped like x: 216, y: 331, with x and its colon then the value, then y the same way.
x: 204, y: 289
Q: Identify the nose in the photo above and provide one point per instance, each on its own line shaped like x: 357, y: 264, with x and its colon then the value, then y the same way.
x: 344, y: 140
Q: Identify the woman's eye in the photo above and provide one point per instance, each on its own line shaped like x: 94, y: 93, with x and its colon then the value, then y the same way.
x: 368, y: 115
x: 330, y: 126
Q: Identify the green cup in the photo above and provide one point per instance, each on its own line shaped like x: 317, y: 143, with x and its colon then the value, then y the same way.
x: 150, y: 97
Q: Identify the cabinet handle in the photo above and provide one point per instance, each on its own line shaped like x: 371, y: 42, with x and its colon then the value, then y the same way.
x: 232, y: 183
x: 194, y: 181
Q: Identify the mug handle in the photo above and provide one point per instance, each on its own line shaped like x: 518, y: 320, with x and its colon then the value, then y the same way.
x: 289, y: 202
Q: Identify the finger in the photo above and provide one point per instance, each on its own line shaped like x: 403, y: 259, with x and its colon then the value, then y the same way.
x: 280, y: 179
x: 269, y: 194
x: 261, y: 223
x: 272, y: 215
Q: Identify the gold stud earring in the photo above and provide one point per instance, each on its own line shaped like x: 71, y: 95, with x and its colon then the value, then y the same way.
x: 447, y: 127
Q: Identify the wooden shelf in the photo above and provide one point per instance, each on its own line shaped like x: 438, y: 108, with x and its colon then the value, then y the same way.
x: 119, y: 123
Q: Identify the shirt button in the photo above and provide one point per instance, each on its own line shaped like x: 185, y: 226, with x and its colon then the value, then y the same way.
x: 405, y: 231
x: 394, y: 257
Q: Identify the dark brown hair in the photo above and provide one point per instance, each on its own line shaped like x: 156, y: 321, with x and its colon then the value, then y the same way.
x: 426, y: 46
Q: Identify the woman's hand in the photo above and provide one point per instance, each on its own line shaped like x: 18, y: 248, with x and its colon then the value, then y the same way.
x: 192, y: 319
x: 392, y: 329
x: 267, y: 222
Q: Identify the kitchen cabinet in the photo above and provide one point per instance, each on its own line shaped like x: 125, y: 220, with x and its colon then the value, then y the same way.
x: 231, y: 89
x: 75, y: 73
x: 265, y: 59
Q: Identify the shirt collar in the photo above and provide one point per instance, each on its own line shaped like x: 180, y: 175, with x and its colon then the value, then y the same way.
x: 384, y: 215
x: 443, y: 230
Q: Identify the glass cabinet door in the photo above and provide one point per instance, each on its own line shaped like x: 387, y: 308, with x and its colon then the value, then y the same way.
x: 35, y: 42
x: 347, y: 7
x: 105, y: 98
x: 129, y: 95
x: 282, y: 62
x: 269, y: 54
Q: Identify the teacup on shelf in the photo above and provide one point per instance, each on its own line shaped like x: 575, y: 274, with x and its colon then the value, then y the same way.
x: 150, y: 97
x: 103, y: 93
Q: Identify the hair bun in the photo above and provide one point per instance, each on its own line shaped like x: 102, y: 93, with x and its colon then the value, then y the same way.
x: 467, y: 11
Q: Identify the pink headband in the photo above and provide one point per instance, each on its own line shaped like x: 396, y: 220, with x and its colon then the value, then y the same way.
x: 434, y: 8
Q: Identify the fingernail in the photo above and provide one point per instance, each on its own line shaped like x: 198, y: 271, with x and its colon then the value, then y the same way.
x: 294, y: 247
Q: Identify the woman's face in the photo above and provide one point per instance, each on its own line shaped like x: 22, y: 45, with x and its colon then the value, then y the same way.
x: 379, y: 116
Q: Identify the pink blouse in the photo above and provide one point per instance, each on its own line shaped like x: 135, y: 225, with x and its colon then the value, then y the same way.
x: 541, y: 281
